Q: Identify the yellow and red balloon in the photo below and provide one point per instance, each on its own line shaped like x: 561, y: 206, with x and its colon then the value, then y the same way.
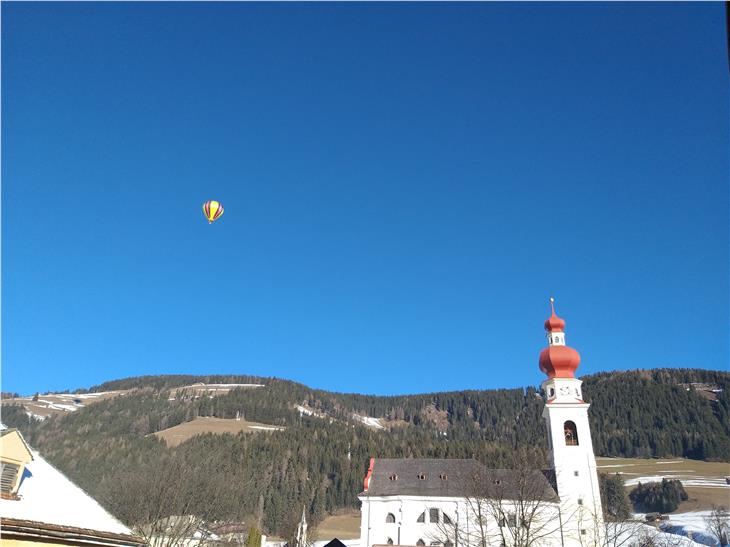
x: 212, y: 210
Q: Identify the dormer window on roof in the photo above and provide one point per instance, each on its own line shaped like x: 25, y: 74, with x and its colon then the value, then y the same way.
x: 8, y: 477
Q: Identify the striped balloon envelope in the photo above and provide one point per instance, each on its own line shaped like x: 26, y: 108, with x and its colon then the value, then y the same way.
x: 212, y: 210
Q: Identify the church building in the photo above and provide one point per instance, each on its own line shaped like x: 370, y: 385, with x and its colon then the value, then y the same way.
x: 455, y: 503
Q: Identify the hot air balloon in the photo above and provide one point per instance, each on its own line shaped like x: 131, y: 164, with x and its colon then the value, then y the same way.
x: 212, y: 210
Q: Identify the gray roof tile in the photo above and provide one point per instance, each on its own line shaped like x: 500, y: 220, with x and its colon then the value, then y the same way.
x: 455, y: 478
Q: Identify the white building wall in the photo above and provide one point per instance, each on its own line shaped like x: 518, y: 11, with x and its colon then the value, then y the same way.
x: 575, y: 469
x: 463, y: 531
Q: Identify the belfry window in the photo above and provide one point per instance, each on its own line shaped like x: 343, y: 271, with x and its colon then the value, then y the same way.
x: 390, y: 518
x: 571, y: 433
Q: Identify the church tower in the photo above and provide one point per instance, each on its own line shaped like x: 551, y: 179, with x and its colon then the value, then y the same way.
x: 569, y: 438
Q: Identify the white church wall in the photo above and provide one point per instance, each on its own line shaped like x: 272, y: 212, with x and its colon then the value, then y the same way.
x: 464, y: 528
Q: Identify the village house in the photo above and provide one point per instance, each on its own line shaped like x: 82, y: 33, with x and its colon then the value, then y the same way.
x: 40, y: 506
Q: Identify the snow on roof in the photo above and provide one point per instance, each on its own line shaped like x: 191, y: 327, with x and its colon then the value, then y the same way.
x: 47, y: 496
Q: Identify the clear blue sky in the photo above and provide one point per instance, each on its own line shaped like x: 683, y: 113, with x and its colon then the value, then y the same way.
x: 405, y: 185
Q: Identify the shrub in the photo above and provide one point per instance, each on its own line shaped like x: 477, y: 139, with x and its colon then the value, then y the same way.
x: 663, y: 497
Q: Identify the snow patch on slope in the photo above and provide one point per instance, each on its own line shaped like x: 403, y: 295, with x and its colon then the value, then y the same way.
x: 705, y: 482
x: 305, y: 410
x: 369, y: 421
x: 266, y: 427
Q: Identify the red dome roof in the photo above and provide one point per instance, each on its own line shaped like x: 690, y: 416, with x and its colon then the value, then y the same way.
x: 559, y: 361
x: 555, y: 324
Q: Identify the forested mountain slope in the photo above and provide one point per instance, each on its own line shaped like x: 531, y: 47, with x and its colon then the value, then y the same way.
x: 107, y: 447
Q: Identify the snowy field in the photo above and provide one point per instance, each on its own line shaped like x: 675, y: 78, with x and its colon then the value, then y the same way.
x: 59, y: 403
x: 688, y: 525
x: 704, y: 481
x: 708, y: 482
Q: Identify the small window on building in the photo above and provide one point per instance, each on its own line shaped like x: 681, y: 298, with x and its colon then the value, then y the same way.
x: 390, y: 541
x: 422, y: 517
x: 580, y: 501
x: 390, y: 518
x: 502, y: 522
x: 420, y: 543
x: 446, y: 518
x: 443, y: 476
x: 8, y: 475
x: 512, y: 520
x: 433, y: 515
x: 422, y: 476
x: 393, y: 477
x: 448, y: 543
x: 571, y: 433
x: 583, y: 532
x: 575, y: 473
x: 552, y: 393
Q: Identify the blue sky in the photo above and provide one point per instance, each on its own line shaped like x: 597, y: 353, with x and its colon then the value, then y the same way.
x: 405, y: 185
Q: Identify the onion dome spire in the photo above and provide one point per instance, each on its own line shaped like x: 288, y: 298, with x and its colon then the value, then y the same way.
x: 554, y: 323
x: 557, y: 360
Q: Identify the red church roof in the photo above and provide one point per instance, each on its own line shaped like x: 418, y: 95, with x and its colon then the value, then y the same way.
x: 558, y: 361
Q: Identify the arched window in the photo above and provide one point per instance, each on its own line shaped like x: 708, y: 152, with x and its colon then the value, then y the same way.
x: 390, y: 518
x: 420, y: 543
x: 422, y: 517
x: 446, y: 518
x: 390, y: 541
x: 571, y: 433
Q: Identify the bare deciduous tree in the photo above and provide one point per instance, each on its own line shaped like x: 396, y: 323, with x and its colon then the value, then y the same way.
x: 718, y: 524
x: 169, y: 504
x: 515, y: 507
x: 291, y: 527
x: 606, y: 531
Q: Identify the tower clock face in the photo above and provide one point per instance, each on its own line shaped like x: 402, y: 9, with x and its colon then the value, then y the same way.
x: 564, y: 390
